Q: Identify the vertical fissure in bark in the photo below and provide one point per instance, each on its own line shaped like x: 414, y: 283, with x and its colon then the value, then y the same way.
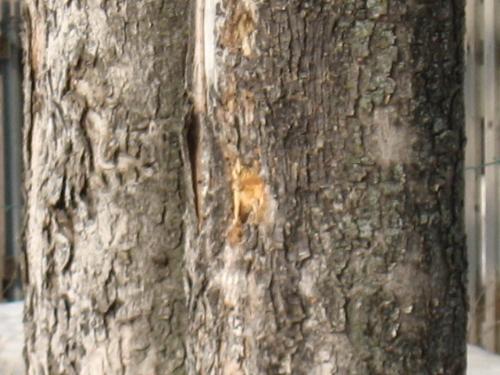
x: 197, y: 113
x: 192, y: 125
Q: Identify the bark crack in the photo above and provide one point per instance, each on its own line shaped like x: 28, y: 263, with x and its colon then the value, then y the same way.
x: 198, y: 110
x: 192, y: 126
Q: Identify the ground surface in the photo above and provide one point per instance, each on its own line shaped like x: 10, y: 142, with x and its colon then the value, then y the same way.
x: 11, y: 339
x: 480, y: 362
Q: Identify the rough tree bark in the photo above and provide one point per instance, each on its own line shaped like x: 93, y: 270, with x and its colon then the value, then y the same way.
x: 329, y: 190
x: 105, y: 109
x: 310, y: 180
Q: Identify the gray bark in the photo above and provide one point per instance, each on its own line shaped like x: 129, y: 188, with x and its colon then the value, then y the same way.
x: 105, y: 109
x: 328, y: 168
x: 311, y: 188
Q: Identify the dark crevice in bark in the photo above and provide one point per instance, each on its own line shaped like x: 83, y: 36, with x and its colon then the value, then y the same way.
x: 192, y: 126
x: 60, y: 204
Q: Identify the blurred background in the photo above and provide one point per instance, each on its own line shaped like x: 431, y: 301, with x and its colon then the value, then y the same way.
x: 10, y: 150
x: 482, y: 166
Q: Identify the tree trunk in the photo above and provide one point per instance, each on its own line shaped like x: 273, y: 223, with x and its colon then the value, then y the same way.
x: 310, y: 187
x: 328, y: 168
x: 105, y: 187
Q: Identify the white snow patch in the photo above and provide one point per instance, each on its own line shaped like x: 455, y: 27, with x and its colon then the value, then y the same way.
x: 479, y: 361
x: 11, y: 339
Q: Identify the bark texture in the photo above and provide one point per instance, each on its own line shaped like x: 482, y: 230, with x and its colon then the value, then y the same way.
x: 328, y: 170
x: 105, y: 111
x: 313, y: 190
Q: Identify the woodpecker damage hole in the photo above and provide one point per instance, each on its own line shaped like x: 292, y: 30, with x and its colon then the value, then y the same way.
x: 238, y: 31
x: 249, y: 198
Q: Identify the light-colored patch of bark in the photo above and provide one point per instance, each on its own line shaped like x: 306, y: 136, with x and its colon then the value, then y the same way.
x: 392, y: 141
